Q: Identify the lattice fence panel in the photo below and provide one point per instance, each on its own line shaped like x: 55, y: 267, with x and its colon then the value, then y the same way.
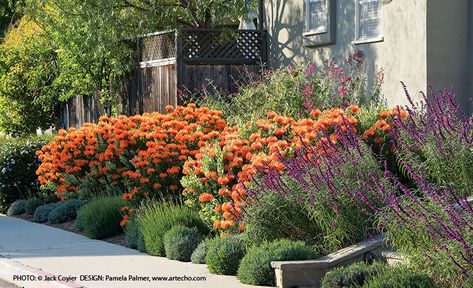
x: 157, y: 47
x: 213, y: 44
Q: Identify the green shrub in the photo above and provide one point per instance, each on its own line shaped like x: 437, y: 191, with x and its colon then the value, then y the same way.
x: 255, y: 267
x: 180, y: 242
x: 31, y: 205
x: 18, y: 164
x: 224, y: 255
x: 65, y: 211
x: 156, y: 218
x: 100, y: 218
x: 198, y: 256
x: 134, y: 236
x: 132, y: 233
x: 140, y: 244
x: 41, y: 213
x: 275, y: 217
x: 295, y: 90
x: 352, y: 276
x: 400, y: 277
x: 17, y: 207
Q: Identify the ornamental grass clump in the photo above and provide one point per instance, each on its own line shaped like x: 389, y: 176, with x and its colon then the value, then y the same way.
x: 273, y: 217
x: 100, y: 218
x: 155, y: 219
x: 435, y: 142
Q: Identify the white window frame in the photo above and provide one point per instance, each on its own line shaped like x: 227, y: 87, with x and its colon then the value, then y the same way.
x: 319, y: 30
x: 378, y: 38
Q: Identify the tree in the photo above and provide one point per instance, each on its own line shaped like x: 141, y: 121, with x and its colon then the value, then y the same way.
x: 97, y: 37
x: 8, y: 16
x: 27, y: 90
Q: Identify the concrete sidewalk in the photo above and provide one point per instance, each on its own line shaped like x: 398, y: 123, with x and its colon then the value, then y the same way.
x: 30, y: 252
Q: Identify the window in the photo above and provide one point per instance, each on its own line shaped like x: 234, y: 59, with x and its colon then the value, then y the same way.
x: 368, y: 21
x: 316, y: 17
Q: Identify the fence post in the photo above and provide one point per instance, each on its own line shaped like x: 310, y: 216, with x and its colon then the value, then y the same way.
x: 179, y: 64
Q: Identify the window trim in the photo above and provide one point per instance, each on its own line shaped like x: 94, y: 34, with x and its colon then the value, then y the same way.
x: 358, y: 40
x: 321, y: 37
x: 319, y: 30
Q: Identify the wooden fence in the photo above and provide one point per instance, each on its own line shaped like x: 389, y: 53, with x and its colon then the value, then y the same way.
x: 184, y: 60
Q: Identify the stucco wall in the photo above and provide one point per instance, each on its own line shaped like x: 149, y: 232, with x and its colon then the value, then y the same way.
x: 402, y: 54
x: 448, y: 48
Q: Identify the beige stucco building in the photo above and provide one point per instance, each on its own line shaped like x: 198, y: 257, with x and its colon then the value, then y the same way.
x: 420, y: 42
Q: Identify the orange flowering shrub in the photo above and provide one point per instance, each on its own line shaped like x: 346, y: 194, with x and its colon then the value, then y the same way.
x: 138, y: 156
x: 215, y: 179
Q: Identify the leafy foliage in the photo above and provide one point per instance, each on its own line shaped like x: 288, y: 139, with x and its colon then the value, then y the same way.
x: 273, y: 217
x: 352, y: 276
x: 224, y: 255
x: 17, y: 207
x: 180, y: 242
x: 18, y: 164
x: 100, y: 218
x: 139, y: 156
x: 8, y: 16
x: 331, y: 181
x: 95, y: 39
x: 216, y: 178
x: 32, y: 204
x: 28, y: 93
x: 200, y: 252
x: 156, y: 218
x: 400, y: 277
x: 255, y: 267
x: 65, y: 211
x: 295, y: 91
x: 42, y: 212
x: 435, y: 142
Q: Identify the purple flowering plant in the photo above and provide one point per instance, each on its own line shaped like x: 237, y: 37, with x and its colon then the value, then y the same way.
x: 435, y: 142
x: 331, y: 182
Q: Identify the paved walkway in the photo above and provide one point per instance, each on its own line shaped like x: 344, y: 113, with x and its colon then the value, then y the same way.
x: 38, y: 251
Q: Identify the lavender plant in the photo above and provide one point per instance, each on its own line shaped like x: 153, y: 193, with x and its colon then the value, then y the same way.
x: 435, y: 142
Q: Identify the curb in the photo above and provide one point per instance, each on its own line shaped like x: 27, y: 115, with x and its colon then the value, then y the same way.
x: 10, y: 268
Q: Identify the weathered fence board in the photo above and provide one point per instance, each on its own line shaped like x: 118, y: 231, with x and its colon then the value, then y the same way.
x: 79, y: 110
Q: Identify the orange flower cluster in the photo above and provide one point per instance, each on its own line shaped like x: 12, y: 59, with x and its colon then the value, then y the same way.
x: 140, y: 155
x: 378, y: 132
x: 215, y: 180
